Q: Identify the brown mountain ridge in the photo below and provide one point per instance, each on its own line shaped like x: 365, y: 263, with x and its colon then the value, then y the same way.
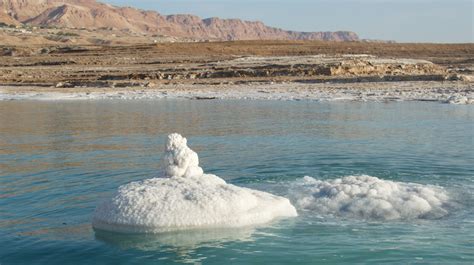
x: 93, y: 14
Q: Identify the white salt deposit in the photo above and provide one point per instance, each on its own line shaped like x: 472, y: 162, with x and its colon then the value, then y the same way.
x: 369, y: 197
x: 185, y: 198
x: 446, y: 92
x: 460, y: 100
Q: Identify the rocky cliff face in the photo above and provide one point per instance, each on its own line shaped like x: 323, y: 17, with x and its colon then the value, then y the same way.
x: 92, y: 14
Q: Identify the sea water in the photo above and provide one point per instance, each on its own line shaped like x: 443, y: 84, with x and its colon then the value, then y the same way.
x: 59, y: 159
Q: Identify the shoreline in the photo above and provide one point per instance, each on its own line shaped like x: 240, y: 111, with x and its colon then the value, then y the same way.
x: 453, y: 92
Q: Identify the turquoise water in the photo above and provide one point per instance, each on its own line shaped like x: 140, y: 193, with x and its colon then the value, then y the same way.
x: 59, y: 159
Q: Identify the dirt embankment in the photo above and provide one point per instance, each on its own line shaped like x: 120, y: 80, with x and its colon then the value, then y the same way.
x: 232, y: 62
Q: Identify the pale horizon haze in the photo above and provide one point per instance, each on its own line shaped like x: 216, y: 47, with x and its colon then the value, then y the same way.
x: 401, y: 21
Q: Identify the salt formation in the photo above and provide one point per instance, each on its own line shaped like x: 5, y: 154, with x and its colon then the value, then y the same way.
x: 186, y: 198
x: 369, y: 197
x: 459, y: 100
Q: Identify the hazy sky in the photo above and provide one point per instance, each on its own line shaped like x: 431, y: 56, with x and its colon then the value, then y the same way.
x: 400, y: 20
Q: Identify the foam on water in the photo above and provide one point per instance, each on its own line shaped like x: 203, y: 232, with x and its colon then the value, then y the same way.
x: 186, y: 198
x: 369, y: 197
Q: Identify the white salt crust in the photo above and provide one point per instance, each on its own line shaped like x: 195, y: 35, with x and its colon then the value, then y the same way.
x: 445, y: 92
x: 185, y: 198
x: 369, y: 197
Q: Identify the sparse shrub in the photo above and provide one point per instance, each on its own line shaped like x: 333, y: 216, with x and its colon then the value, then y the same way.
x: 98, y: 41
x: 67, y: 34
x: 59, y: 38
x: 5, y: 25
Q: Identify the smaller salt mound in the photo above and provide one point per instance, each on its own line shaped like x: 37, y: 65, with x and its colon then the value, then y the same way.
x: 185, y: 198
x: 369, y: 197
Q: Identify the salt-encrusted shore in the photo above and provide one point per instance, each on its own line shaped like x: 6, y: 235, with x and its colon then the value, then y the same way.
x: 444, y: 92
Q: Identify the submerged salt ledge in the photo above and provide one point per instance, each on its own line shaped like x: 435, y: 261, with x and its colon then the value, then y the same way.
x: 185, y: 198
x: 369, y: 197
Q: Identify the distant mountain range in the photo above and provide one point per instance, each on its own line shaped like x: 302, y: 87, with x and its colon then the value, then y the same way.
x: 92, y: 14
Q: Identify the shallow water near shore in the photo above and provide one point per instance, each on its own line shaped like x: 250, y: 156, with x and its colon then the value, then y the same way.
x: 59, y: 159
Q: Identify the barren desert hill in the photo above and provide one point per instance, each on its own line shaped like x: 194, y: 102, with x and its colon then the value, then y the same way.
x: 93, y: 14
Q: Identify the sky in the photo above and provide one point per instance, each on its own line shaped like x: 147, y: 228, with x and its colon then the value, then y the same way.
x: 400, y: 20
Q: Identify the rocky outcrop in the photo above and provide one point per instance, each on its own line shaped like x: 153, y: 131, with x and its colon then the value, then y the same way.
x: 322, y: 65
x: 92, y: 14
x: 6, y: 19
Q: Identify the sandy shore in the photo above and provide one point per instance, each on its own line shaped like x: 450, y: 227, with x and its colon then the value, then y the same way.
x: 443, y: 92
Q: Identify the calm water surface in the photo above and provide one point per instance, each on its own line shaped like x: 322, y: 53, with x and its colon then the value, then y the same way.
x: 59, y: 159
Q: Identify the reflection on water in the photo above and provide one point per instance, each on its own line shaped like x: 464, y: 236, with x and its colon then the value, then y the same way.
x: 59, y: 159
x: 63, y: 232
x: 182, y: 240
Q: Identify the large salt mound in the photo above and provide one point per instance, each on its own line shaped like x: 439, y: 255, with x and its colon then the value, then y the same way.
x: 369, y: 197
x: 185, y: 198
